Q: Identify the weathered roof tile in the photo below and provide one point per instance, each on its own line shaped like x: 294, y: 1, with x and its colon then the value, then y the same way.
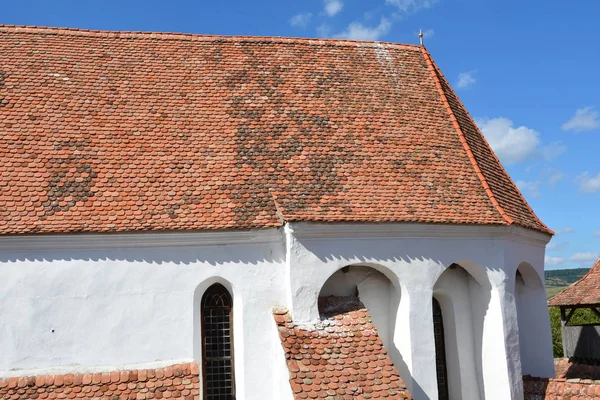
x: 132, y: 384
x: 585, y: 291
x: 340, y: 357
x: 125, y: 131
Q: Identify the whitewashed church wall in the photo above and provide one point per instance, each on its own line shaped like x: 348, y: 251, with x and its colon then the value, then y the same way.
x: 374, y: 290
x: 412, y: 257
x: 282, y: 389
x: 455, y: 295
x: 533, y: 313
x: 101, y: 302
x: 117, y: 300
x: 492, y: 352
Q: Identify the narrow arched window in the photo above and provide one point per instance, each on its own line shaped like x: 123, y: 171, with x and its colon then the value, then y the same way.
x: 440, y: 351
x: 217, y: 344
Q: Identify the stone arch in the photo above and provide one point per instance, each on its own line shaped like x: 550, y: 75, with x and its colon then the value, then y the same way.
x: 529, y: 276
x: 463, y: 292
x: 475, y: 271
x: 530, y: 302
x: 388, y: 273
x: 379, y: 290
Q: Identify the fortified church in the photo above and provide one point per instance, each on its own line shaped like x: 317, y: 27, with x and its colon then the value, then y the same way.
x: 208, y: 217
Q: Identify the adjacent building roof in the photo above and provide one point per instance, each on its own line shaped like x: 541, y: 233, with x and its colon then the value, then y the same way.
x: 342, y: 357
x: 585, y: 291
x: 125, y: 131
x: 175, y: 382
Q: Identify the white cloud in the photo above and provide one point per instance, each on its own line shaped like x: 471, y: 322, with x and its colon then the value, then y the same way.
x: 466, y: 79
x: 597, y: 234
x: 553, y: 261
x: 301, y: 20
x: 409, y: 6
x: 585, y: 119
x: 553, y: 150
x: 558, y: 231
x: 555, y: 178
x: 332, y: 7
x: 588, y: 184
x: 357, y: 31
x: 552, y: 246
x: 531, y: 187
x: 512, y: 145
x: 324, y: 30
x: 585, y: 259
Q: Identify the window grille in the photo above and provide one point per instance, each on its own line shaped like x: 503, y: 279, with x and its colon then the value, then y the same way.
x: 217, y: 344
x: 440, y: 351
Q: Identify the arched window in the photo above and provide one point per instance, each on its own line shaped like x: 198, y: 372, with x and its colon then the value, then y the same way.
x: 440, y: 351
x: 217, y: 344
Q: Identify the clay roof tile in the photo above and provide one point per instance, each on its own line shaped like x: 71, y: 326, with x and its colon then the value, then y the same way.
x: 585, y: 291
x: 128, y: 131
x: 342, y: 356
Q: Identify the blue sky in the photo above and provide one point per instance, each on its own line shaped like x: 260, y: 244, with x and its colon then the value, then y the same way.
x: 526, y: 70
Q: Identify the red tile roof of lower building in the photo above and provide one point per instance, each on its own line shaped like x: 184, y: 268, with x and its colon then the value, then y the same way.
x: 179, y: 382
x: 340, y: 357
x: 572, y: 369
x: 585, y: 291
x: 127, y: 131
x: 560, y: 389
x: 573, y: 380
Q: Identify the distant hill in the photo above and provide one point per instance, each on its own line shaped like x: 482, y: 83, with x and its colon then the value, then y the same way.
x: 559, y: 279
x: 564, y: 277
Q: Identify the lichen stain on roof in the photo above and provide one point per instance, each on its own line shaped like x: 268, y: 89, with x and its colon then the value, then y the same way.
x: 159, y: 131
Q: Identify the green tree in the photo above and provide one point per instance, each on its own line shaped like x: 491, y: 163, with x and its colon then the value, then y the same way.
x: 557, y: 348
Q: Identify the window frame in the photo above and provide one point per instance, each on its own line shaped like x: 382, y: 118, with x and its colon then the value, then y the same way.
x: 207, y: 292
x: 441, y: 343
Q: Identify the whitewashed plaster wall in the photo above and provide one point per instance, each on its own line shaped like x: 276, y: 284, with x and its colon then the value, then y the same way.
x: 538, y: 359
x: 457, y: 291
x: 412, y: 257
x: 96, y: 302
x: 375, y: 292
x: 110, y: 301
x: 532, y: 313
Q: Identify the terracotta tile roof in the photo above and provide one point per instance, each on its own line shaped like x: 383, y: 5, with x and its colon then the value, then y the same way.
x: 570, y: 369
x: 560, y: 389
x: 121, y: 131
x: 585, y: 291
x: 502, y: 191
x: 343, y: 357
x: 179, y: 381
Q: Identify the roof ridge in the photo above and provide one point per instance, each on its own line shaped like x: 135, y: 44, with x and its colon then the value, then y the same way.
x: 350, y: 87
x: 485, y: 142
x: 561, y: 294
x: 463, y: 140
x: 199, y: 37
x: 590, y: 271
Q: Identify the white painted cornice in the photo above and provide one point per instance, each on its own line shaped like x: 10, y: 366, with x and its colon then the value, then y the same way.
x: 353, y: 231
x: 139, y: 239
x: 302, y: 230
